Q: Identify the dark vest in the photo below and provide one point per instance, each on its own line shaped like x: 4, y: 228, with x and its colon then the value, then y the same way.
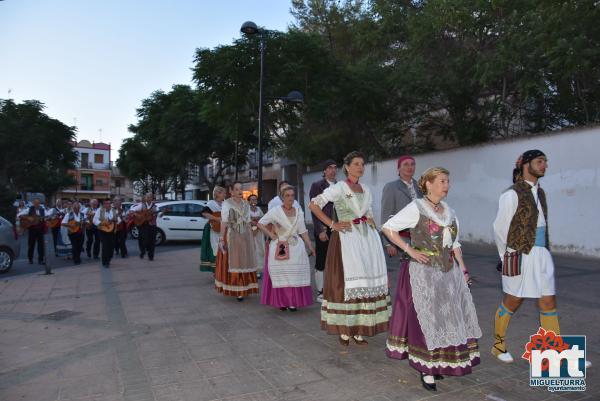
x: 32, y: 211
x: 427, y: 237
x: 521, y: 234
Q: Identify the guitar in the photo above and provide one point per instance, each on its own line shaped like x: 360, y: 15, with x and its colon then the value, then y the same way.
x: 73, y: 226
x: 215, y: 225
x: 55, y: 221
x: 143, y: 216
x: 27, y: 221
x: 108, y: 226
x: 90, y: 219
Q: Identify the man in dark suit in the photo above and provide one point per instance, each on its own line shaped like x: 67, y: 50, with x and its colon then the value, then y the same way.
x: 397, y: 194
x: 322, y: 233
x: 36, y: 231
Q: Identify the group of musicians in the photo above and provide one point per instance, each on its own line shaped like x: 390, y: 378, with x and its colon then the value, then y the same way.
x: 103, y: 229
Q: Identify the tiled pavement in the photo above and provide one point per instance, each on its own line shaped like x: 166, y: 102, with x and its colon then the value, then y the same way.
x: 144, y: 331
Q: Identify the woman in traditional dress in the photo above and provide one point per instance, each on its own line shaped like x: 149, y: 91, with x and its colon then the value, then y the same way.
x: 64, y: 248
x: 356, y: 299
x: 434, y: 323
x: 212, y: 230
x: 259, y: 239
x: 286, y: 284
x: 235, y: 273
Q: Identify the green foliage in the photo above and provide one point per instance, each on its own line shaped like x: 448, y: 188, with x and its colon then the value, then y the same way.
x: 169, y: 136
x: 384, y: 77
x: 35, y: 150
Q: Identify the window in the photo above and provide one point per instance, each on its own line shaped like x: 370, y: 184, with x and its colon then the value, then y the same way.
x: 86, y: 182
x: 195, y: 210
x: 99, y: 182
x: 178, y: 209
x: 98, y: 158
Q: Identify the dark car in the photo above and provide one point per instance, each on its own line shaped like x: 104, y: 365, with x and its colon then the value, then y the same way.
x: 10, y: 245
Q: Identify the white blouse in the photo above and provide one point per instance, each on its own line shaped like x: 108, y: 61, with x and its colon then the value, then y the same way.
x: 409, y: 216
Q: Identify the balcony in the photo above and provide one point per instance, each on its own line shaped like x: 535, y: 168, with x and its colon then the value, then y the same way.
x: 96, y: 188
x: 95, y: 166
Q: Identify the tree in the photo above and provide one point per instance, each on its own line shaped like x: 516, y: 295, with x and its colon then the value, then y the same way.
x: 36, y: 151
x: 170, y: 135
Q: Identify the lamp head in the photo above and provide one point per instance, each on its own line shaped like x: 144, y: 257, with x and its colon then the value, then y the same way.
x: 249, y: 28
x: 295, y: 97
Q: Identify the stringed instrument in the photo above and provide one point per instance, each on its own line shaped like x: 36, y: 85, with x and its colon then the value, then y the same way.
x: 108, y: 225
x: 27, y: 221
x: 73, y: 226
x: 122, y: 226
x: 55, y: 220
x: 143, y: 216
x: 90, y: 218
x: 215, y: 225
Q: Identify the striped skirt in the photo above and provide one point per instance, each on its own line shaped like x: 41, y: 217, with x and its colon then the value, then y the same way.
x: 233, y: 284
x: 362, y: 316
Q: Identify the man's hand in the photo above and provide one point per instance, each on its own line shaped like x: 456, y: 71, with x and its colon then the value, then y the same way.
x: 323, y: 237
x: 391, y: 250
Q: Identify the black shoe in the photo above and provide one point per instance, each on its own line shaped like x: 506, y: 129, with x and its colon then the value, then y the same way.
x: 438, y: 377
x: 123, y: 256
x: 427, y: 386
x: 292, y: 309
x: 141, y: 256
x: 150, y: 258
x: 283, y: 309
x: 89, y: 255
x: 240, y: 299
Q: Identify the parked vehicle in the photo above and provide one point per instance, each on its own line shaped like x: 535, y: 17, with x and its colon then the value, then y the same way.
x: 10, y: 245
x: 178, y: 221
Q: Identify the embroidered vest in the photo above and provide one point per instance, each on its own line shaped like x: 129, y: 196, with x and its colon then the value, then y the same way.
x: 521, y: 234
x: 427, y: 237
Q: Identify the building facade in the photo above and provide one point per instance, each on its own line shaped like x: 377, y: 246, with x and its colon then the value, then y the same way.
x: 120, y: 185
x: 92, y: 174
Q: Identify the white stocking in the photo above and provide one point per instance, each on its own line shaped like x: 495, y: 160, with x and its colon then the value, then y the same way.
x: 319, y: 280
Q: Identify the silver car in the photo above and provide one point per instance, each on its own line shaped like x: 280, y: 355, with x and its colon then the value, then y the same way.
x: 10, y: 245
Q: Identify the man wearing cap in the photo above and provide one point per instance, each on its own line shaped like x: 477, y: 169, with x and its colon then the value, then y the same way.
x: 521, y: 235
x: 322, y: 232
x: 397, y: 194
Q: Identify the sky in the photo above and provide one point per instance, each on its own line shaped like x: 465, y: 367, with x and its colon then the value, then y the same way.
x: 92, y: 62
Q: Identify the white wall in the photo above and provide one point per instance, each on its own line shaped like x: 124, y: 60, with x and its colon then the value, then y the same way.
x: 479, y: 174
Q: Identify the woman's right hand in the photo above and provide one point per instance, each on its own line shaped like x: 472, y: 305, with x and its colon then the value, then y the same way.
x: 342, y: 226
x: 417, y: 255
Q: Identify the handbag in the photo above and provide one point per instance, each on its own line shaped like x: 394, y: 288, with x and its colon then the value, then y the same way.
x: 282, y: 252
x: 511, y: 265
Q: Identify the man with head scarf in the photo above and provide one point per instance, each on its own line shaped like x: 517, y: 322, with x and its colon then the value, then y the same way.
x: 322, y: 232
x: 521, y: 235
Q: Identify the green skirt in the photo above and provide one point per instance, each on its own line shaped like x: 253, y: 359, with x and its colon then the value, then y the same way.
x: 207, y: 259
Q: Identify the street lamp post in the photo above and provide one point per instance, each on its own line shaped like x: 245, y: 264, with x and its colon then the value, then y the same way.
x: 250, y: 28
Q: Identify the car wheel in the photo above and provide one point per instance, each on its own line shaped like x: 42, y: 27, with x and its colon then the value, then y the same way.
x: 135, y: 233
x: 160, y: 237
x: 6, y: 260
